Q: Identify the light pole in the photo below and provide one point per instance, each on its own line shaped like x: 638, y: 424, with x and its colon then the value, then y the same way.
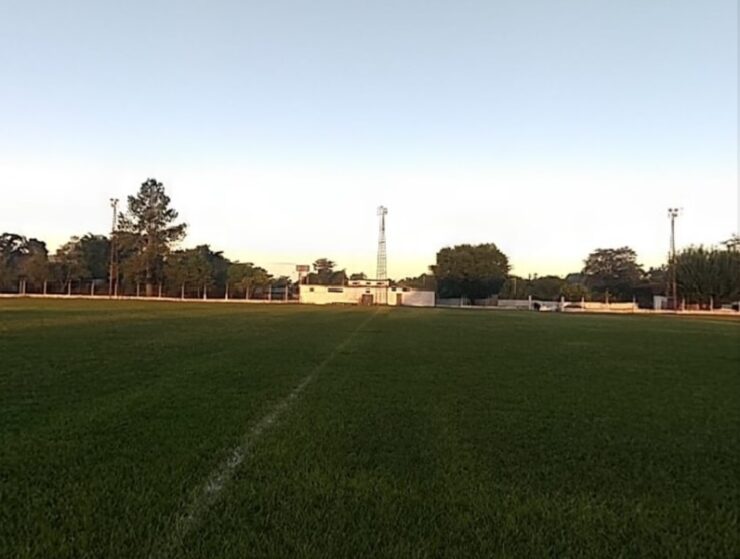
x: 673, y: 214
x: 113, y: 272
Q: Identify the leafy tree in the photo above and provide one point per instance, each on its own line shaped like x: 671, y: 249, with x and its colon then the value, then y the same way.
x: 575, y: 292
x: 81, y: 258
x: 360, y: 276
x: 575, y: 288
x: 22, y: 259
x: 338, y: 278
x: 733, y: 243
x: 11, y: 247
x: 177, y: 272
x: 325, y: 274
x: 196, y: 268
x: 576, y: 277
x: 658, y: 277
x: 247, y: 277
x: 515, y: 287
x: 426, y: 282
x: 705, y: 274
x: 323, y: 264
x: 95, y: 253
x: 473, y: 271
x: 547, y: 288
x: 219, y: 265
x: 613, y: 272
x: 653, y: 282
x: 34, y: 263
x: 185, y: 271
x: 68, y: 264
x: 147, y: 232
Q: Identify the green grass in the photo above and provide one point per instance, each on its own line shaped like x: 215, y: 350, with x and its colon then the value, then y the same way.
x: 430, y: 433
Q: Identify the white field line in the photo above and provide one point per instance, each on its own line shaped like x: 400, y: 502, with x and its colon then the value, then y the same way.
x: 206, y: 495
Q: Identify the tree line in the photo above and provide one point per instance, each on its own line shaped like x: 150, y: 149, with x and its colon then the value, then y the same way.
x: 703, y: 275
x: 138, y: 258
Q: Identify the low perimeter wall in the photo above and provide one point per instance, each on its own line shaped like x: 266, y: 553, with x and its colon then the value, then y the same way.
x: 153, y: 299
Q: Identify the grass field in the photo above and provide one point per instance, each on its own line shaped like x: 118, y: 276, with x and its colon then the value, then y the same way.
x: 364, y: 432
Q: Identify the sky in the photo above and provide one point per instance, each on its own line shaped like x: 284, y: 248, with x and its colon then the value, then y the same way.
x: 549, y: 127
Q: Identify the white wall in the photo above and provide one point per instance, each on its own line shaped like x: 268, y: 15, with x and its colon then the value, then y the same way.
x: 596, y: 306
x: 660, y: 302
x: 514, y: 303
x: 412, y: 298
x: 320, y: 295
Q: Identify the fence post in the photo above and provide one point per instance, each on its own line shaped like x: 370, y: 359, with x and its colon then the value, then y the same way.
x: 226, y: 293
x: 205, y: 292
x: 160, y: 291
x: 44, y: 287
x: 182, y: 291
x: 69, y: 288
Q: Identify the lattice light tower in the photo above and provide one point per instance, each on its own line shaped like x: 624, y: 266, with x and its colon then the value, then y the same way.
x: 382, y: 270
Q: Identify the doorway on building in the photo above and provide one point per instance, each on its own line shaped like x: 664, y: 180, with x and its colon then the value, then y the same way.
x: 367, y: 299
x: 399, y: 299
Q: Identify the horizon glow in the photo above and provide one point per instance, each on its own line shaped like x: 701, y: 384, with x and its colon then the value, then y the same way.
x: 548, y: 128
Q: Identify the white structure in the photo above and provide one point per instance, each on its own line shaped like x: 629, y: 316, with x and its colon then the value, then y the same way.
x: 365, y: 292
x: 660, y: 302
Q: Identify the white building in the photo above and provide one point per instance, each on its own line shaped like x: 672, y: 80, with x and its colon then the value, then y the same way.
x: 365, y: 292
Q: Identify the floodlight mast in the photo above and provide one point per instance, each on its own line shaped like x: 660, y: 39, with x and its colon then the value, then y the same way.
x: 113, y: 271
x: 382, y: 270
x: 672, y: 215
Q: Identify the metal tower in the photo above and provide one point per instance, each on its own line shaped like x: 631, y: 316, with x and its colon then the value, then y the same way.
x: 382, y: 271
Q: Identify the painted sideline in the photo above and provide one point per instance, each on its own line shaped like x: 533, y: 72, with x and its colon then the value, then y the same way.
x: 208, y: 493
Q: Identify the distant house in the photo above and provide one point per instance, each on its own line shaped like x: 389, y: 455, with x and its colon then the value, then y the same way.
x: 366, y: 292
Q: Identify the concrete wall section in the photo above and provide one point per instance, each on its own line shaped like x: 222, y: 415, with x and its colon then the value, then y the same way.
x: 412, y: 298
x: 338, y: 294
x: 352, y: 295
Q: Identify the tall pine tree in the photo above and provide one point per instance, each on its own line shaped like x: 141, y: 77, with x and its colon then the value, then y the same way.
x: 147, y: 231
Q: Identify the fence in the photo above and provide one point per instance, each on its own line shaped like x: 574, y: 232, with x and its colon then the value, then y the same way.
x: 538, y: 305
x: 100, y: 289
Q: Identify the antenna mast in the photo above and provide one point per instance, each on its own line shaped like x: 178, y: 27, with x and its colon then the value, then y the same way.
x: 382, y: 271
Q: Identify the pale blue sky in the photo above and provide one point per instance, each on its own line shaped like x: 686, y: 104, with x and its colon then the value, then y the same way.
x: 549, y: 127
